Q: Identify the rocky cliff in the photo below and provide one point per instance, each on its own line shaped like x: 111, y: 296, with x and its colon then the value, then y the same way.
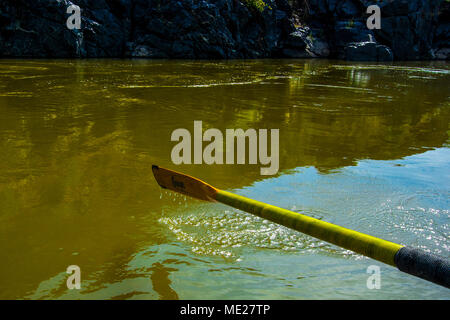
x: 410, y: 29
x: 225, y: 29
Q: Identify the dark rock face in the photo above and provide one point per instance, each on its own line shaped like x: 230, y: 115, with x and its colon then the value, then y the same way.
x: 144, y: 28
x: 34, y: 30
x: 442, y: 36
x: 410, y: 28
x: 206, y: 29
x: 38, y: 29
x: 225, y: 29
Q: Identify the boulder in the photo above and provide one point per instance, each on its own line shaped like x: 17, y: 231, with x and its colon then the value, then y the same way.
x: 315, y: 44
x: 295, y: 46
x: 368, y: 51
x: 347, y: 32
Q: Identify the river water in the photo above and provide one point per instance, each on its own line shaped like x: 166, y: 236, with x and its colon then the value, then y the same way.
x: 362, y: 145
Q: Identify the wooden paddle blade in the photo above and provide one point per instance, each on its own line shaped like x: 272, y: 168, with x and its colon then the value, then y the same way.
x: 184, y: 184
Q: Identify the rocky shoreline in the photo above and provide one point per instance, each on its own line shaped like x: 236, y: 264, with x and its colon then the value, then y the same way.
x: 226, y: 29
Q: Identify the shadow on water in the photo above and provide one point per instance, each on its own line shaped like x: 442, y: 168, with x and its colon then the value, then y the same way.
x: 78, y: 138
x: 161, y: 282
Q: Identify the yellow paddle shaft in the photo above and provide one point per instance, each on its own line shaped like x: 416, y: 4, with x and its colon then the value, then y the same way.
x: 366, y: 245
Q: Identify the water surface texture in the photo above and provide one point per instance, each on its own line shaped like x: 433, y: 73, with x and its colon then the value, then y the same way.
x: 364, y: 146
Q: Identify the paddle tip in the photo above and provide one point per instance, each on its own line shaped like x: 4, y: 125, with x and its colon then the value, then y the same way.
x: 155, y: 169
x: 183, y: 183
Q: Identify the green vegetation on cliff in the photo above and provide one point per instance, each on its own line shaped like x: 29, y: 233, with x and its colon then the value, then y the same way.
x: 259, y: 5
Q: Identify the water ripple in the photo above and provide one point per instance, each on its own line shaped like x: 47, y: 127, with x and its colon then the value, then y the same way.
x: 227, y: 234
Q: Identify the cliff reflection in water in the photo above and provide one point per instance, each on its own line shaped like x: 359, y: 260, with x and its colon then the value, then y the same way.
x: 78, y: 138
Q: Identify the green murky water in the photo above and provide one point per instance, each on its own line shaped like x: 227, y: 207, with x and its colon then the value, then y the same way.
x: 364, y: 146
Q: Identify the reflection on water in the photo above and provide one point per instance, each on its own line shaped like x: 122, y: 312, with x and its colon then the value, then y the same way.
x: 361, y: 145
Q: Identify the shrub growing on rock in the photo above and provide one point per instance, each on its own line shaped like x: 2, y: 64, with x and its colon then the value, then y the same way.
x: 259, y: 5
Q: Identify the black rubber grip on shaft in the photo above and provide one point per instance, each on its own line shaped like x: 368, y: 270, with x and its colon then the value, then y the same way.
x: 425, y: 265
